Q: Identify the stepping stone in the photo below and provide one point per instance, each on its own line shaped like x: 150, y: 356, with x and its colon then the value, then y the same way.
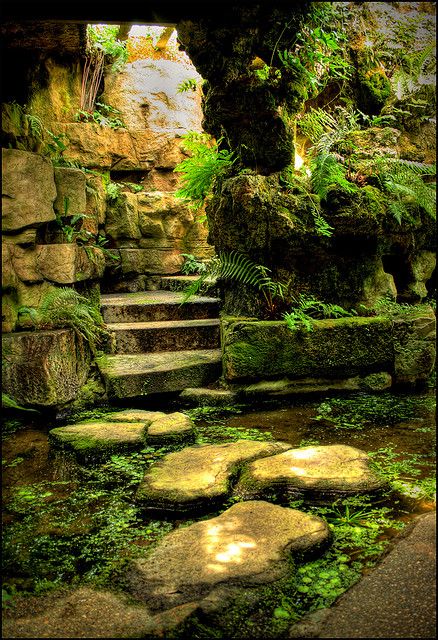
x: 121, y: 432
x: 215, y: 560
x: 199, y: 477
x: 175, y: 427
x: 91, y: 440
x: 133, y: 375
x: 88, y: 613
x: 322, y: 472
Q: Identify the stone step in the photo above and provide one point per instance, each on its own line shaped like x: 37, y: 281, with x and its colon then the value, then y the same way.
x: 165, y: 335
x: 133, y: 375
x: 148, y: 306
x: 180, y: 283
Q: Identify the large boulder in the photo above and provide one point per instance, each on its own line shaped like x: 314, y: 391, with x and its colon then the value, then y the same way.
x: 28, y: 189
x: 69, y: 263
x: 414, y: 346
x: 70, y: 191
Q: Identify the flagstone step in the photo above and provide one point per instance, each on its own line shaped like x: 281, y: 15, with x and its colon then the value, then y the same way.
x: 154, y: 306
x: 165, y: 335
x: 133, y: 375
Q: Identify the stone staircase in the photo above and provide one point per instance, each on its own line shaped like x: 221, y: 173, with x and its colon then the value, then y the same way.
x: 159, y: 345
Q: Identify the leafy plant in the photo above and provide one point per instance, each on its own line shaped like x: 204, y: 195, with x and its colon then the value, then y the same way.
x: 402, y: 181
x: 237, y: 267
x: 104, y: 115
x: 203, y: 168
x: 65, y: 307
x: 190, y: 84
x: 192, y: 265
x: 309, y: 309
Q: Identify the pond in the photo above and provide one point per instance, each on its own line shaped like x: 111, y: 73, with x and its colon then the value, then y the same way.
x: 68, y: 525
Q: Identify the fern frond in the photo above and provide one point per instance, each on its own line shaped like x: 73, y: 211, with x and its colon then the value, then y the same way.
x: 327, y: 172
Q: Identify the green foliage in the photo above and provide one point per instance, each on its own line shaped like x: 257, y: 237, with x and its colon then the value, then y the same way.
x: 65, y: 307
x: 320, y: 49
x: 203, y: 168
x: 190, y: 84
x: 237, y: 267
x: 402, y: 181
x: 104, y: 38
x: 308, y: 309
x: 329, y: 173
x: 104, y: 115
x: 113, y: 190
x: 9, y: 403
x: 192, y: 265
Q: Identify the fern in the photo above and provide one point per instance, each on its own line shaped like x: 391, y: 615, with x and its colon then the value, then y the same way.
x: 65, y: 307
x: 206, y: 164
x: 327, y: 173
x: 309, y: 309
x: 402, y: 181
x: 237, y: 267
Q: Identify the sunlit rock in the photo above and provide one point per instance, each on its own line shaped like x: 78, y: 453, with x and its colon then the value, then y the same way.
x: 175, y: 427
x: 320, y: 472
x: 212, y: 561
x: 199, y: 476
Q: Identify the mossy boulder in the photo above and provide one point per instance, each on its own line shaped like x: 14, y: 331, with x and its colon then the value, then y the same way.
x: 414, y: 346
x: 96, y: 440
x: 199, y: 477
x: 211, y: 562
x: 321, y: 472
x: 335, y: 348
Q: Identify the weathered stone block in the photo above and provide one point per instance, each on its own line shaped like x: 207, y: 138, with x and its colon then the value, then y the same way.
x: 70, y: 191
x: 122, y: 217
x: 68, y: 263
x: 153, y: 261
x: 44, y: 368
x: 414, y: 347
x: 422, y: 267
x: 96, y: 199
x: 28, y: 189
x: 24, y: 264
x: 335, y: 348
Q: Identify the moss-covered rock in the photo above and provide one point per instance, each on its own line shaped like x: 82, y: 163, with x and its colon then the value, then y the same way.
x: 322, y: 472
x: 199, y: 476
x: 414, y: 347
x: 173, y: 428
x: 335, y: 348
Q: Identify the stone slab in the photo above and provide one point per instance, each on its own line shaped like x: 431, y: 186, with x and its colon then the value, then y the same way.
x: 245, y: 547
x: 199, y: 476
x: 321, y: 471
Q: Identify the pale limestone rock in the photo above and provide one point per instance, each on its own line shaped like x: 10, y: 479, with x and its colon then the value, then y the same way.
x: 96, y: 200
x: 199, y: 475
x: 122, y: 219
x: 146, y: 93
x: 68, y: 263
x: 214, y: 560
x: 324, y: 471
x: 151, y: 261
x: 28, y: 189
x: 24, y: 263
x: 70, y: 191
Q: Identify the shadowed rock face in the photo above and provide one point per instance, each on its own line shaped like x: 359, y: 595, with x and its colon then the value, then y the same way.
x: 199, y: 476
x: 246, y: 546
x: 323, y: 470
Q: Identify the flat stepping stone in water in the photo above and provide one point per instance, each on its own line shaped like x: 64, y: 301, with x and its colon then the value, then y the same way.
x: 167, y: 429
x: 215, y: 560
x: 90, y: 440
x: 121, y: 432
x: 321, y: 471
x: 200, y: 476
